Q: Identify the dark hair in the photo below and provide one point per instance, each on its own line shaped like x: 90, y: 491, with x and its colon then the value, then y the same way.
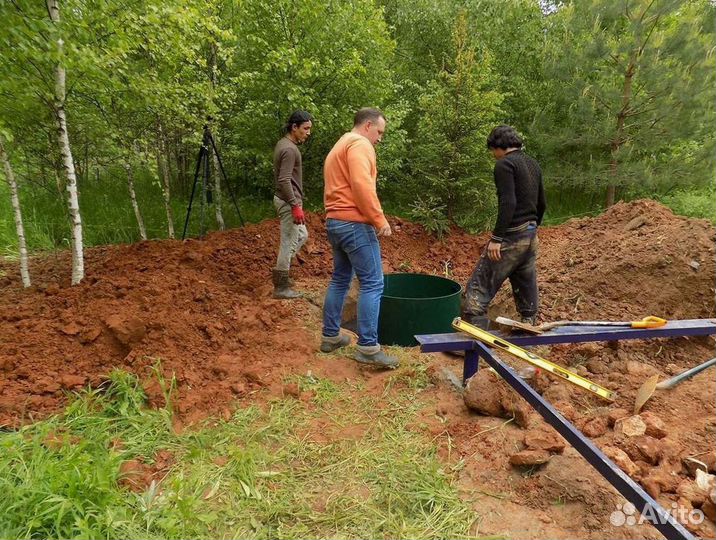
x: 297, y: 118
x: 504, y: 137
x: 365, y: 114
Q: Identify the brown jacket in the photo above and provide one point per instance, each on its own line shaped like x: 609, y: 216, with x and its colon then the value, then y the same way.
x: 287, y: 172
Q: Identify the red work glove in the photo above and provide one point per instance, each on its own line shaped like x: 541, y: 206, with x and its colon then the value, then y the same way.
x: 298, y: 216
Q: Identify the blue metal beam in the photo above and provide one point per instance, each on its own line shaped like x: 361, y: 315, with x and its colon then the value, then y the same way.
x: 630, y: 490
x: 471, y: 364
x: 572, y: 334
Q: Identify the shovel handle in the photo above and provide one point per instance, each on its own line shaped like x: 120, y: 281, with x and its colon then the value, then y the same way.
x: 676, y: 379
x: 649, y: 322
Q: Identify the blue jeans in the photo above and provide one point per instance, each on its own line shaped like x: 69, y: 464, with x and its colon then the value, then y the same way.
x: 355, y: 249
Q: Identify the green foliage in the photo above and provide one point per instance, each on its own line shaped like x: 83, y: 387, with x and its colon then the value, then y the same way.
x: 289, y: 58
x: 606, y: 93
x: 696, y: 203
x: 513, y: 32
x: 451, y: 165
x: 630, y: 92
x: 430, y: 213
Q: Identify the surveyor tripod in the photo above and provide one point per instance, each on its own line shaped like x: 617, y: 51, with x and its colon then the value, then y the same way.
x: 208, y: 149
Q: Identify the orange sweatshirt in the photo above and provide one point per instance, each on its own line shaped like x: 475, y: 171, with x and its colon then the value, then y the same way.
x: 350, y: 176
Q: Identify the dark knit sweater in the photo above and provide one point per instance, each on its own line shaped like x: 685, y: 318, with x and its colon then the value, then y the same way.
x: 520, y: 195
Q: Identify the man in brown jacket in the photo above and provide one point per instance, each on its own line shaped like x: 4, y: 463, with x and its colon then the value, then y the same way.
x: 288, y: 199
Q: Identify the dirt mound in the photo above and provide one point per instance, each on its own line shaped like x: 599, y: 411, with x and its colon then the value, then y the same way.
x: 636, y: 259
x: 203, y: 307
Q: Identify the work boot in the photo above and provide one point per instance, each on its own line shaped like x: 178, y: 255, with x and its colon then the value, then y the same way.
x: 281, y: 289
x: 527, y: 319
x: 374, y: 356
x: 481, y: 321
x: 330, y: 344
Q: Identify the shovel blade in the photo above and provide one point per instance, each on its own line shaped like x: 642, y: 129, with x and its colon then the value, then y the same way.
x: 645, y: 392
x: 518, y: 325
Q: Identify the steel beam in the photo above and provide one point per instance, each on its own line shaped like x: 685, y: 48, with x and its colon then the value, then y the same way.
x: 471, y: 364
x: 630, y: 490
x: 572, y: 334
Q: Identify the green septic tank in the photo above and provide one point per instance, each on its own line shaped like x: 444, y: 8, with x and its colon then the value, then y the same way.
x: 416, y: 304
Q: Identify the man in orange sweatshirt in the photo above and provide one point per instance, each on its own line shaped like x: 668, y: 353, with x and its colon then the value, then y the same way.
x: 354, y: 222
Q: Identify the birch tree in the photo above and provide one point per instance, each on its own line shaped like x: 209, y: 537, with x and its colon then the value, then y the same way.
x: 10, y: 178
x: 213, y: 75
x: 163, y: 169
x: 133, y: 198
x: 217, y: 192
x: 63, y: 140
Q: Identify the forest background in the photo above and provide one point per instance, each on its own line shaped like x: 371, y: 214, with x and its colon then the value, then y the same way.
x: 616, y: 99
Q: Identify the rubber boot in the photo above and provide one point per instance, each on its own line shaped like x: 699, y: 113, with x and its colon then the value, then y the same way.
x: 373, y: 356
x: 330, y: 344
x: 281, y: 288
x: 529, y: 319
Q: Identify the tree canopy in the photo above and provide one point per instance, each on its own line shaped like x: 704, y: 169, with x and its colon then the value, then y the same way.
x: 614, y: 98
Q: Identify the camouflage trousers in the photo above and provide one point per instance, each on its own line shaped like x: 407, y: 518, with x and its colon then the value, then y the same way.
x: 518, y: 264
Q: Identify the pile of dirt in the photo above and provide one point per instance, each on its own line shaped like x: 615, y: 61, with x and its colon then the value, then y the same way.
x: 201, y: 311
x: 203, y: 307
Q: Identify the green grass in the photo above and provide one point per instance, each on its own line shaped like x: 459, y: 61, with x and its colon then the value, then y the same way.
x: 565, y: 203
x: 265, y: 473
x: 696, y: 203
x: 107, y: 215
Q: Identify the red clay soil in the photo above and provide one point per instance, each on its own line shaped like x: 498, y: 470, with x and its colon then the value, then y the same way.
x: 204, y: 309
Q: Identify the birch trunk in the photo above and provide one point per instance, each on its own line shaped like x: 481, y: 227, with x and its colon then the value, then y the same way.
x: 164, y: 173
x: 10, y: 177
x: 217, y: 169
x: 78, y: 267
x: 135, y: 205
x: 217, y: 191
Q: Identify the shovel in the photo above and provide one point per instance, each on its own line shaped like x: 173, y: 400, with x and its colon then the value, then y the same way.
x: 646, y: 322
x: 651, y: 384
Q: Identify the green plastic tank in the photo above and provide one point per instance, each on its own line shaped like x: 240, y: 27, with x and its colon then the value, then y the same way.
x: 416, y: 304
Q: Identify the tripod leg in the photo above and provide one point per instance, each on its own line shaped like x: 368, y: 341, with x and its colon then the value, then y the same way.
x: 204, y: 192
x: 226, y: 181
x: 202, y: 151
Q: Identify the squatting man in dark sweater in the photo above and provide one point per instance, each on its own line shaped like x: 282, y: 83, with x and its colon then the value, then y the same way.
x: 512, y: 250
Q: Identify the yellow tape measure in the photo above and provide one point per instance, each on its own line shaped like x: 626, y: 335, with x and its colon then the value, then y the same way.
x: 533, y: 359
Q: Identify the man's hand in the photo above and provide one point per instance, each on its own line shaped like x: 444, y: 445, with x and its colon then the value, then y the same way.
x: 385, y: 230
x: 493, y: 251
x: 299, y: 217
